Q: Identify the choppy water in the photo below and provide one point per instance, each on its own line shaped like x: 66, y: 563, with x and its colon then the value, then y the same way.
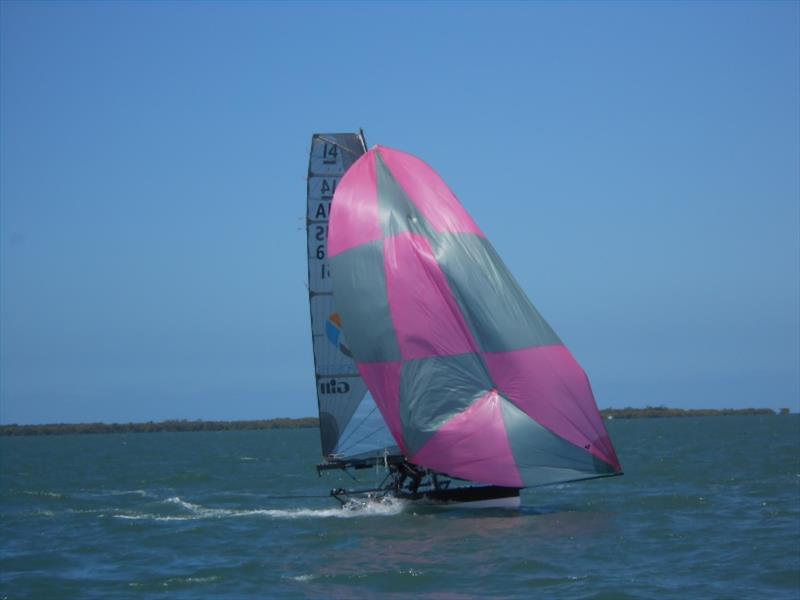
x: 708, y: 508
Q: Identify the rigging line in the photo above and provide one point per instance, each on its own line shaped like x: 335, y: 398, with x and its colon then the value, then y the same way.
x: 371, y: 433
x: 292, y: 497
x: 354, y: 429
x: 352, y: 492
x: 335, y: 143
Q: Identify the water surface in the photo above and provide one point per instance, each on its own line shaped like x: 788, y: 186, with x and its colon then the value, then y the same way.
x: 708, y: 507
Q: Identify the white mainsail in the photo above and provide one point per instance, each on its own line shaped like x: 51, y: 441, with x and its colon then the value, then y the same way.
x: 350, y: 423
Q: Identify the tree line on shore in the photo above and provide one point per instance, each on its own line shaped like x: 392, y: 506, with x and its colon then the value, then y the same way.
x: 152, y: 427
x: 176, y: 425
x: 662, y: 411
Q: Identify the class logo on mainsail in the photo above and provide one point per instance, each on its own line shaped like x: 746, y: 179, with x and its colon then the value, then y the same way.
x: 333, y: 330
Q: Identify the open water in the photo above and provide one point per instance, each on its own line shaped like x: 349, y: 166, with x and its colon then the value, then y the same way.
x: 708, y: 508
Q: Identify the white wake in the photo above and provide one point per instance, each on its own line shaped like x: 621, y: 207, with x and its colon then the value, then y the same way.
x: 368, y: 507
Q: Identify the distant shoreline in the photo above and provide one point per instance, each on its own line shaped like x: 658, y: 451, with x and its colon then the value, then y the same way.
x: 173, y: 425
x: 658, y: 412
x: 183, y: 425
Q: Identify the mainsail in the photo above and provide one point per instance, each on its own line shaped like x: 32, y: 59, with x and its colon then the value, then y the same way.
x: 350, y: 424
x: 470, y: 379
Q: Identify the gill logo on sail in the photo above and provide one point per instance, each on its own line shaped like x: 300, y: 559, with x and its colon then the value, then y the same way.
x: 334, y: 386
x: 333, y: 331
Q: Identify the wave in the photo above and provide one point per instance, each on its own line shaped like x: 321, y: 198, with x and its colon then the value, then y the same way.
x: 173, y: 582
x: 41, y: 493
x: 300, y: 578
x: 373, y: 507
x: 105, y: 493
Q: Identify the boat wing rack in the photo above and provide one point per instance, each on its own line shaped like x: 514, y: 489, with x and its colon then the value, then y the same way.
x: 332, y: 462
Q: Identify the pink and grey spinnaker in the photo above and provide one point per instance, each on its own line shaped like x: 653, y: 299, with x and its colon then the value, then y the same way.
x: 470, y: 379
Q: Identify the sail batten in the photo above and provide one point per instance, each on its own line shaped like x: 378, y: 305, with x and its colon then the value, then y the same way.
x: 469, y: 378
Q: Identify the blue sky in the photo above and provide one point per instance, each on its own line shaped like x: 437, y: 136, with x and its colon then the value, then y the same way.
x: 635, y: 164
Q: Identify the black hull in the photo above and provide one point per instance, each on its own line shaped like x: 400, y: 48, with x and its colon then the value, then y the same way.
x: 461, y: 495
x: 411, y: 483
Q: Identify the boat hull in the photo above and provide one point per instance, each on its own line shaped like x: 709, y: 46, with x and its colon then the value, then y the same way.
x: 490, y: 496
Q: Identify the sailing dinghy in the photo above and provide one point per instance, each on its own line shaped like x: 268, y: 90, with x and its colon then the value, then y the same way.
x: 430, y: 360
